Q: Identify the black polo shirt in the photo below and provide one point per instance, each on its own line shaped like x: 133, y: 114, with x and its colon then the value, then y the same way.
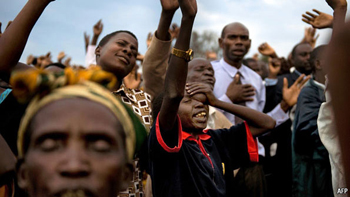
x: 185, y: 166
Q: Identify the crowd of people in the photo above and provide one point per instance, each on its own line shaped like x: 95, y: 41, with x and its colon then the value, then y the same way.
x: 233, y: 126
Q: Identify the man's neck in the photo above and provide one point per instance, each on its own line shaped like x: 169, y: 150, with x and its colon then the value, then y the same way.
x: 237, y: 64
x: 319, y: 77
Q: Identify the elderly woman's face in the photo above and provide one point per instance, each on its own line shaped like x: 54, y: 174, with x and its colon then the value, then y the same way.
x: 75, y: 149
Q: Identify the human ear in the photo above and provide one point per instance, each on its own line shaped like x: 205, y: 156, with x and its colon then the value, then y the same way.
x: 318, y: 65
x: 127, y: 174
x: 220, y: 42
x: 22, y: 175
x: 98, y: 51
x: 250, y: 42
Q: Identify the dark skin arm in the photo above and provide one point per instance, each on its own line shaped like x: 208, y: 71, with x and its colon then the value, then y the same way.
x: 7, y: 162
x: 258, y: 122
x: 175, y: 79
x: 338, y: 71
x: 14, y: 39
x: 98, y: 27
x: 169, y: 8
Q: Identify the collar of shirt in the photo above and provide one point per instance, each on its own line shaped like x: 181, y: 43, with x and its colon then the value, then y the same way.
x: 212, y: 111
x: 297, y: 72
x: 124, y: 91
x: 318, y: 84
x: 202, y: 136
x: 231, y: 70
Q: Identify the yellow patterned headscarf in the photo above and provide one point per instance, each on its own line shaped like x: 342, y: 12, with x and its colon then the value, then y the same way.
x: 42, y: 87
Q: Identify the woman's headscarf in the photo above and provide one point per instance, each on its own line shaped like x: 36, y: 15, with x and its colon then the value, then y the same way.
x: 41, y: 88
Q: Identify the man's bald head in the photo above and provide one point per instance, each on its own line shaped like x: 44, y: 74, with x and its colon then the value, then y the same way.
x: 233, y: 26
x: 235, y: 43
x: 201, y: 70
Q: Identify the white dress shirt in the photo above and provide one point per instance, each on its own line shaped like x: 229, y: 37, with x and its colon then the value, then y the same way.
x: 90, y: 57
x: 224, y: 75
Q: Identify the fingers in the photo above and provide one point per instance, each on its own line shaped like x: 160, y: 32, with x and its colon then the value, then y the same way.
x: 248, y: 99
x: 318, y: 35
x: 299, y: 80
x: 248, y: 87
x: 311, y: 14
x: 236, y: 79
x: 307, y: 18
x: 305, y: 80
x: 312, y: 32
x: 285, y: 83
x: 306, y: 21
x: 249, y: 94
x: 318, y: 12
x: 194, y: 88
x: 98, y: 23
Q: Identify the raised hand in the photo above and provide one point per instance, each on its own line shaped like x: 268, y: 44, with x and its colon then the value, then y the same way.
x: 188, y: 8
x: 169, y: 5
x: 30, y: 59
x: 319, y: 20
x: 174, y: 31
x: 198, y: 87
x: 267, y: 50
x: 60, y: 56
x: 334, y: 4
x: 98, y: 27
x: 290, y: 95
x: 309, y: 36
x: 67, y: 62
x: 86, y: 40
x: 149, y: 39
x: 239, y: 93
x: 275, y: 65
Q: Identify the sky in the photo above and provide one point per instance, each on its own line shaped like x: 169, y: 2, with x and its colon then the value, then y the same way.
x: 62, y: 25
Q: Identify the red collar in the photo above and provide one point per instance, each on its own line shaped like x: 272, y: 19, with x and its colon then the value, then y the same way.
x: 202, y: 136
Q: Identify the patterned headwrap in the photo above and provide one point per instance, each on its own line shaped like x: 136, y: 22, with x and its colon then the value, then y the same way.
x: 41, y: 87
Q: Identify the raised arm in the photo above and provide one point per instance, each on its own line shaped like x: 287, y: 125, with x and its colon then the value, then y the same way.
x: 156, y: 58
x: 258, y: 122
x: 97, y: 29
x: 14, y: 39
x: 340, y: 8
x: 175, y: 79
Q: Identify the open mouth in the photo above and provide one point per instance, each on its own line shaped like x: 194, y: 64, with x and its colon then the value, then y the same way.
x: 200, y: 117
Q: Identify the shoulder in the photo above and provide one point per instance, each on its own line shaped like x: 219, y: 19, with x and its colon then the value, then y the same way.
x: 216, y: 64
x: 253, y: 75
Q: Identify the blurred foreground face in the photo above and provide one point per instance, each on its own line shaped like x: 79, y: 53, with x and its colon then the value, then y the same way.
x: 75, y: 149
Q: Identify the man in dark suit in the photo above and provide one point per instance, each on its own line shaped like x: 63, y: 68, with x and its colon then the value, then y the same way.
x: 278, y: 167
x: 300, y: 60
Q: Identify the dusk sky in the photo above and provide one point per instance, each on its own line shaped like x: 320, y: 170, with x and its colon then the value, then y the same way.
x: 63, y: 23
